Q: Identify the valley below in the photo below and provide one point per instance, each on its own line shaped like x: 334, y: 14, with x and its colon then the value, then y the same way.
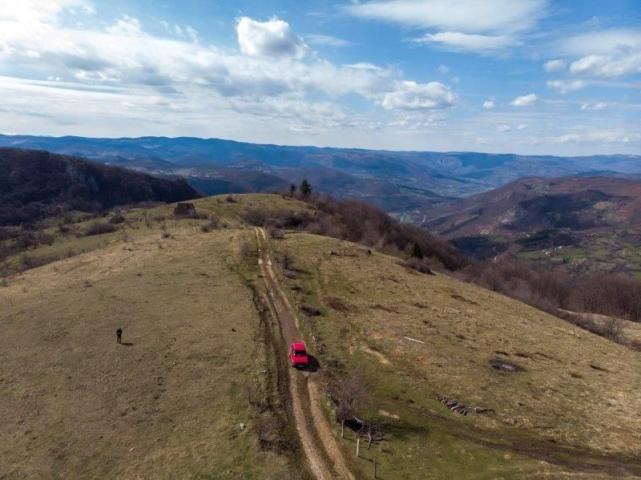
x: 580, y: 224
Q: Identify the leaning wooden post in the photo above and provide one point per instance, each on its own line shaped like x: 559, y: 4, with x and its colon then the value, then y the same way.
x: 358, y: 446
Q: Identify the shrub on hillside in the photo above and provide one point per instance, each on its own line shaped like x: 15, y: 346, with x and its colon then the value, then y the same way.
x: 419, y: 264
x: 247, y: 250
x: 20, y: 240
x: 31, y: 239
x: 255, y: 217
x: 117, y: 219
x: 287, y: 260
x: 28, y: 261
x: 357, y: 221
x: 212, y: 224
x: 99, y: 228
x: 276, y: 234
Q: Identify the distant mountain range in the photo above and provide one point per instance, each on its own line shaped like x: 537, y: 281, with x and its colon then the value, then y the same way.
x: 406, y: 184
x: 576, y: 222
x: 36, y: 184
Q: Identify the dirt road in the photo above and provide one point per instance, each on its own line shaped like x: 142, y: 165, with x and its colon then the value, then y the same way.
x: 319, y: 443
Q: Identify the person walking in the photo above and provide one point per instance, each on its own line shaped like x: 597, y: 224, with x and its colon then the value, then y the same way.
x: 119, y: 335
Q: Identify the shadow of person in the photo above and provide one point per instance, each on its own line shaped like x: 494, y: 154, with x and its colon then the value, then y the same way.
x: 127, y: 344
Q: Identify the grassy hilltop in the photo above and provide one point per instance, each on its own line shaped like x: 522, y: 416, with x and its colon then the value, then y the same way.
x: 195, y: 393
x: 170, y: 403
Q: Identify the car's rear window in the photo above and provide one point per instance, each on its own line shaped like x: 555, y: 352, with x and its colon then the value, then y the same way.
x: 300, y: 352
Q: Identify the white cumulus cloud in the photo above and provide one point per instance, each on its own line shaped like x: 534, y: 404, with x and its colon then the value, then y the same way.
x: 489, y: 104
x: 525, y: 100
x: 554, y: 65
x: 565, y: 86
x: 605, y: 53
x: 272, y: 38
x: 410, y: 95
x: 608, y: 66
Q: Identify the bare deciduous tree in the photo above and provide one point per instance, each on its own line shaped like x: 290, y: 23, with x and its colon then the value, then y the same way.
x: 246, y: 250
x: 351, y: 395
x: 614, y: 328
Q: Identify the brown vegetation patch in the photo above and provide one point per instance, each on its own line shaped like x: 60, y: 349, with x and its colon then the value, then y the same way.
x: 99, y: 228
x: 340, y: 304
x: 420, y: 265
x: 598, y: 367
x: 461, y: 298
x: 310, y: 310
x: 378, y: 306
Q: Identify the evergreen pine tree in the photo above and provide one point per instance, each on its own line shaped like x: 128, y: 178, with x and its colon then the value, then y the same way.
x: 305, y: 188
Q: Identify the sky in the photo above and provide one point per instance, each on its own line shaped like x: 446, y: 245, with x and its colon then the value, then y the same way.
x: 523, y: 76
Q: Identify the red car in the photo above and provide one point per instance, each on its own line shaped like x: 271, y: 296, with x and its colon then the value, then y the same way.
x: 298, y: 355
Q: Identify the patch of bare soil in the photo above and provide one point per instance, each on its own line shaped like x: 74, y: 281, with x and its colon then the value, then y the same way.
x: 381, y: 358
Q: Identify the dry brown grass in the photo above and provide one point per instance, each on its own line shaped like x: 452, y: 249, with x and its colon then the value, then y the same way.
x: 577, y: 395
x: 168, y: 403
